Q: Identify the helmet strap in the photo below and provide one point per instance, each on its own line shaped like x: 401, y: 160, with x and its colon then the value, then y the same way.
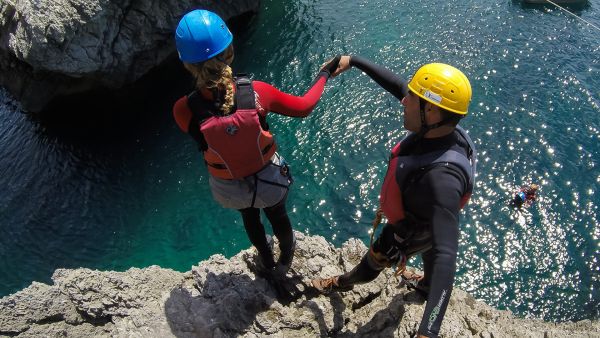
x: 424, y: 127
x: 427, y: 127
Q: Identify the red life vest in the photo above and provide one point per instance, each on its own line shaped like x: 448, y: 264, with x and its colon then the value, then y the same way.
x: 399, y: 168
x: 235, y: 145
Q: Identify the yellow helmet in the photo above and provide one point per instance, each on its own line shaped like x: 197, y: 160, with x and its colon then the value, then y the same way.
x: 443, y: 86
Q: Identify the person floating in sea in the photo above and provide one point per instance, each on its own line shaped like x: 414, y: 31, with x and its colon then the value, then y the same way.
x: 430, y: 177
x: 525, y: 197
x: 226, y: 116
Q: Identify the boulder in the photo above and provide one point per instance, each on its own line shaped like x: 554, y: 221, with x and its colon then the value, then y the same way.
x: 58, y: 47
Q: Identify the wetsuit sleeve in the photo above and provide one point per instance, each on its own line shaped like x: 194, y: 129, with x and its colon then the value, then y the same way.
x: 182, y: 114
x: 389, y: 81
x: 441, y: 191
x: 271, y: 99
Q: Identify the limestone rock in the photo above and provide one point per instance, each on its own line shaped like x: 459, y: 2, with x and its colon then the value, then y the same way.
x: 54, y: 47
x: 223, y: 297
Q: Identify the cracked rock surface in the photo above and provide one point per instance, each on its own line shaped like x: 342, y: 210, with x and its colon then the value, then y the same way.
x: 55, y: 47
x: 223, y: 297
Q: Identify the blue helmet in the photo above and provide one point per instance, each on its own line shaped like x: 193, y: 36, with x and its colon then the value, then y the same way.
x: 201, y: 35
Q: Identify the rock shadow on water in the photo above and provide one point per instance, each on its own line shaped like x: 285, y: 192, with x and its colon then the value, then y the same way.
x: 104, y: 117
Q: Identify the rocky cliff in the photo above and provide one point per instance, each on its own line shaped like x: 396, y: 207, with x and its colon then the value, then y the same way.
x: 55, y: 47
x: 226, y: 298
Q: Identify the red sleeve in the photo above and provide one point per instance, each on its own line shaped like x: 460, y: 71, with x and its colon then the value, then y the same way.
x: 182, y: 114
x: 272, y: 99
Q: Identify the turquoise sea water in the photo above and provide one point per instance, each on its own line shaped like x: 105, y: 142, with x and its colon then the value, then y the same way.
x: 133, y: 192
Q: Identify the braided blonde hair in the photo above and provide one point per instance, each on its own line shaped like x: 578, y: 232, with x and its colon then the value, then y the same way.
x: 216, y: 73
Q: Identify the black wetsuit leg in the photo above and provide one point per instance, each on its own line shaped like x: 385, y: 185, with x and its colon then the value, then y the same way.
x: 256, y: 234
x: 282, y: 228
x: 394, y: 241
x: 367, y: 270
x: 362, y: 273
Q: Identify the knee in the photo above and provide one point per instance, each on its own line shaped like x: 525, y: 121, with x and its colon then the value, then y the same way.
x: 376, y: 260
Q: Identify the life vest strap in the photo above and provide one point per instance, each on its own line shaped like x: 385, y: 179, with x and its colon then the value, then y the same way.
x: 201, y: 110
x: 255, y: 190
x: 376, y: 222
x: 264, y: 151
x: 245, y: 97
x: 219, y: 166
x: 268, y: 147
x: 244, y: 94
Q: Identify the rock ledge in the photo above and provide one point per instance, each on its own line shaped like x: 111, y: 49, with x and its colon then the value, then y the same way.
x: 226, y: 298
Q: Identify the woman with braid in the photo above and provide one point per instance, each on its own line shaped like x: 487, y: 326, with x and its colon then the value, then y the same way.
x: 226, y: 116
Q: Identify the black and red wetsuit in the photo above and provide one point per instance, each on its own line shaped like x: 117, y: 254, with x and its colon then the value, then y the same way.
x: 433, y: 199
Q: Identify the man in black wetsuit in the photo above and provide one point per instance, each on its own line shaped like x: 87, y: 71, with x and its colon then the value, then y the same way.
x: 429, y: 179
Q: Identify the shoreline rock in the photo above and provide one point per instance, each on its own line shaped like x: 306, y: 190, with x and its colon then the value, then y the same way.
x: 223, y: 297
x: 60, y: 47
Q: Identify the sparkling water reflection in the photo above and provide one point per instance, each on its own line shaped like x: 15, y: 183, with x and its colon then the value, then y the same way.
x: 535, y: 118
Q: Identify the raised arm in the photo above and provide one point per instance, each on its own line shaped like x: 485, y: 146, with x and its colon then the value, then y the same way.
x: 388, y: 80
x: 274, y: 100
